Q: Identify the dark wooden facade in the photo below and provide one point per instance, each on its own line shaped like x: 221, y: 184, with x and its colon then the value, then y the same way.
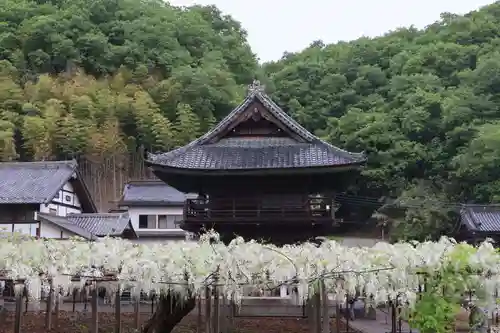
x: 479, y: 223
x: 19, y: 217
x: 260, y: 175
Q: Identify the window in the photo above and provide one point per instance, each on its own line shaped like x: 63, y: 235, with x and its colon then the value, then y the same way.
x: 67, y: 198
x: 147, y: 221
x: 162, y: 222
x: 53, y: 211
x: 173, y: 221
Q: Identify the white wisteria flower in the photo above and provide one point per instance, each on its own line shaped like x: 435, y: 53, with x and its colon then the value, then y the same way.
x: 382, y: 272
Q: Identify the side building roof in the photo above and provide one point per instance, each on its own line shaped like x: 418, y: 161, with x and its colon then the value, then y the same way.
x: 39, y: 182
x: 215, y: 151
x: 152, y: 193
x: 481, y: 218
x: 91, y: 225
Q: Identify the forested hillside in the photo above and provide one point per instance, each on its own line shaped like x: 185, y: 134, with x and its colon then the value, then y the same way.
x: 102, y: 77
x: 423, y: 104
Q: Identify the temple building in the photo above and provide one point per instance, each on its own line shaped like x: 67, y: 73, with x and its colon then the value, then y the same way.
x: 479, y: 223
x: 260, y: 175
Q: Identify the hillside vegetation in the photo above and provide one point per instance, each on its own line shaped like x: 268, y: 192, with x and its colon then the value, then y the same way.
x: 101, y: 77
x: 94, y: 77
x: 423, y: 104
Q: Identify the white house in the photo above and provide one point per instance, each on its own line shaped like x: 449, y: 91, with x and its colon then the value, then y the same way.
x: 50, y: 199
x: 155, y: 210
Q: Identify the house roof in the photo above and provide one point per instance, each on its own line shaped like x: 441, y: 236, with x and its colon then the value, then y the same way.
x: 481, y: 218
x: 64, y: 224
x: 213, y: 151
x: 39, y: 182
x: 152, y: 192
x: 92, y: 225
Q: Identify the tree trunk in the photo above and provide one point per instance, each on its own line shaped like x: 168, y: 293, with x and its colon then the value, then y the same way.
x: 169, y: 312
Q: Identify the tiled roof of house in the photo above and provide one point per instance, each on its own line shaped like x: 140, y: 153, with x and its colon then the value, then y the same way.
x: 92, y: 225
x: 103, y: 224
x: 64, y: 224
x: 39, y: 182
x: 152, y: 192
x: 210, y: 153
x: 33, y: 182
x: 481, y: 218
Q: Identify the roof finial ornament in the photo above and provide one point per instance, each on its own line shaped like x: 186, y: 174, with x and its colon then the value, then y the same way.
x: 256, y: 87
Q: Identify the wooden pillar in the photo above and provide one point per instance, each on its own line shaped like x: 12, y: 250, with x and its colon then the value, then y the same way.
x: 232, y: 313
x: 317, y: 311
x: 57, y: 296
x: 118, y: 311
x: 95, y: 309
x: 324, y: 308
x: 216, y: 314
x: 199, y: 315
x: 393, y: 318
x: 347, y: 313
x: 337, y: 317
x: 50, y: 301
x: 310, y: 314
x: 208, y: 301
x: 137, y: 313
x: 223, y: 315
x: 18, y: 288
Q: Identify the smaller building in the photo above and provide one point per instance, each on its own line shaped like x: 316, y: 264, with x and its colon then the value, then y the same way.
x: 50, y: 199
x: 49, y: 187
x: 155, y: 210
x: 88, y: 226
x: 479, y: 222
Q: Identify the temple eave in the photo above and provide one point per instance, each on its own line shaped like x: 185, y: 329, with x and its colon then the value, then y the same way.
x: 162, y: 168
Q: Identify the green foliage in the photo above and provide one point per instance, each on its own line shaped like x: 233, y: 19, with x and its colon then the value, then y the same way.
x: 97, y: 77
x: 424, y: 106
x: 439, y: 302
x: 434, y: 314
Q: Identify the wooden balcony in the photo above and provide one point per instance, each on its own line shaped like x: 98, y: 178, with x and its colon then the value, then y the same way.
x: 312, y: 210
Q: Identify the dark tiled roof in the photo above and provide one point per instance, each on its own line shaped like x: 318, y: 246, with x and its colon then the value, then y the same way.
x: 39, y: 182
x: 104, y: 224
x: 481, y: 218
x: 33, y: 182
x: 64, y: 224
x: 152, y: 192
x: 265, y: 153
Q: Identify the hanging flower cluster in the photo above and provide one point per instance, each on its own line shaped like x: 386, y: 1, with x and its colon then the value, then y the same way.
x: 382, y: 272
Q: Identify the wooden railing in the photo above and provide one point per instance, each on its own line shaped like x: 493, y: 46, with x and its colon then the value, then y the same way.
x: 251, y: 210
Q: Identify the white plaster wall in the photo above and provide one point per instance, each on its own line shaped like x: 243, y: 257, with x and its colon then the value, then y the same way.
x: 66, y: 198
x: 134, y: 213
x: 48, y: 230
x: 26, y: 229
x: 155, y: 240
x: 358, y: 241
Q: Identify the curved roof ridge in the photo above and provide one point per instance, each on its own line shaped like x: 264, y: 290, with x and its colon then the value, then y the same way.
x: 319, y: 149
x: 296, y: 124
